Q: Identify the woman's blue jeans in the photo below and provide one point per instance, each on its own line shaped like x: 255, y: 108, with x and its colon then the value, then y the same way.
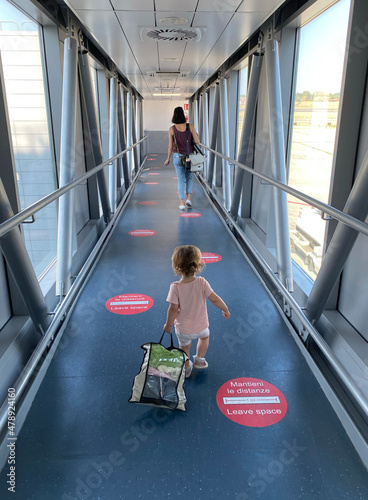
x: 184, y: 176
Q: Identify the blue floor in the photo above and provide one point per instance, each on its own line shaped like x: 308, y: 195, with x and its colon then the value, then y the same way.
x: 84, y: 440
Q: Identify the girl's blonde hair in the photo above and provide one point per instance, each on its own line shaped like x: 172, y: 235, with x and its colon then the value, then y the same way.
x: 187, y: 260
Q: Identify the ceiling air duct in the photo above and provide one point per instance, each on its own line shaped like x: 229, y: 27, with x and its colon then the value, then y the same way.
x: 171, y: 34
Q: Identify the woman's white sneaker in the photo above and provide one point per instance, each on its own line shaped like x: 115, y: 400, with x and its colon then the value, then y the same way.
x: 188, y: 203
x: 181, y: 207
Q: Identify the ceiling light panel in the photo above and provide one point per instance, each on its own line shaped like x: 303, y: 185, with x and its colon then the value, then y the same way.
x: 166, y: 89
x: 171, y: 51
x: 173, y: 21
x: 175, y: 5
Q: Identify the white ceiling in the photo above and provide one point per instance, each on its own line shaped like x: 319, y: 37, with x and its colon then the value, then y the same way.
x: 117, y: 25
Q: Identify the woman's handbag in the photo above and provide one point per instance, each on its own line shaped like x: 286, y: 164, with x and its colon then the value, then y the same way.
x: 194, y: 162
x: 196, y: 159
x: 161, y: 377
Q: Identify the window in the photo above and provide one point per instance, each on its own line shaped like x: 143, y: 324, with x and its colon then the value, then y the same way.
x: 28, y: 114
x: 242, y: 100
x: 317, y: 98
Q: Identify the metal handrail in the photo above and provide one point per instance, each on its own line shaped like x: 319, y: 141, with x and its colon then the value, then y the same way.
x: 356, y: 224
x: 340, y: 369
x: 46, y: 200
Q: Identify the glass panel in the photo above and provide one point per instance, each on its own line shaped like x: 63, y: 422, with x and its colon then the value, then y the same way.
x: 242, y: 100
x: 317, y: 98
x: 26, y: 98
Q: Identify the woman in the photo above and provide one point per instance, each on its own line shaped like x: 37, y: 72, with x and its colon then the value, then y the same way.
x: 178, y: 141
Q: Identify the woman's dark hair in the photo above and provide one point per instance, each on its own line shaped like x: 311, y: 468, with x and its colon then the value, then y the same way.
x: 178, y: 116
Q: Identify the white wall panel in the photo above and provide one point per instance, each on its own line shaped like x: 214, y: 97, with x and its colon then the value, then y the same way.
x: 157, y: 114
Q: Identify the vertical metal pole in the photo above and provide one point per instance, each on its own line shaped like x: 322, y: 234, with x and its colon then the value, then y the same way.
x: 340, y: 246
x: 246, y: 131
x: 191, y: 117
x: 205, y: 118
x: 205, y: 139
x: 138, y: 129
x: 134, y: 134
x: 89, y: 95
x: 67, y: 167
x: 278, y: 164
x: 141, y: 126
x: 129, y: 132
x: 200, y: 117
x: 16, y: 255
x: 218, y: 161
x: 216, y: 106
x: 113, y: 141
x: 224, y: 114
x: 122, y: 136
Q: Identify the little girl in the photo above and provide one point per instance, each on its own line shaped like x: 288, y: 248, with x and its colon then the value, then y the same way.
x: 188, y: 308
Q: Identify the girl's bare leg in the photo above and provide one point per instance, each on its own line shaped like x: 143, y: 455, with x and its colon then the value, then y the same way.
x: 202, y: 347
x: 186, y: 349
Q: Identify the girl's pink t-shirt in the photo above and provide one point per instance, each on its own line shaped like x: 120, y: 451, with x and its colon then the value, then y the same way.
x: 191, y: 298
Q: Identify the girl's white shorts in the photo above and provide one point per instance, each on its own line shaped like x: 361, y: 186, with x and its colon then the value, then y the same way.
x: 185, y: 340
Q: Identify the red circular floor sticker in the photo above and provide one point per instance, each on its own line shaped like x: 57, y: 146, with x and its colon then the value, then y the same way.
x: 148, y: 202
x: 208, y: 258
x: 251, y: 402
x: 150, y: 183
x: 154, y: 173
x: 190, y: 214
x: 132, y: 303
x: 142, y: 232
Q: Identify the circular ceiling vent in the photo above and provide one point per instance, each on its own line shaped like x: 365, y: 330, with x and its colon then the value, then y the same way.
x: 171, y: 34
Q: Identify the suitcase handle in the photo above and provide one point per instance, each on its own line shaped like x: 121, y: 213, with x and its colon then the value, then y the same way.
x: 171, y: 338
